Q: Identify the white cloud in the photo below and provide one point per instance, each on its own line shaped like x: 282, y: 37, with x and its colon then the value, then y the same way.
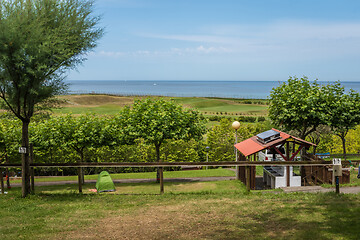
x: 287, y: 40
x: 112, y: 54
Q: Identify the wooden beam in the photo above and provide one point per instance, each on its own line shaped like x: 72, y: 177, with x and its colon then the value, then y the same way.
x: 173, y: 164
x: 294, y: 154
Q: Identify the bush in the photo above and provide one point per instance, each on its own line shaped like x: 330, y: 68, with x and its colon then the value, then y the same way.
x: 261, y: 119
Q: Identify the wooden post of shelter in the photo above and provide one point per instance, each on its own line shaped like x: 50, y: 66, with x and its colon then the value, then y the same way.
x: 247, y: 174
x: 287, y: 167
x: 32, y: 177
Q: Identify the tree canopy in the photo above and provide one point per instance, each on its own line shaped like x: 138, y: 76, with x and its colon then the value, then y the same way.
x: 342, y: 110
x: 157, y: 121
x: 296, y: 105
x: 304, y: 106
x: 39, y: 41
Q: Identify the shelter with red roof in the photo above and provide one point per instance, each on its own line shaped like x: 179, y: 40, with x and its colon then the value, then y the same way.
x: 272, y: 140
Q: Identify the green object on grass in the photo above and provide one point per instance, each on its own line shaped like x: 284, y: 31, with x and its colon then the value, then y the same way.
x: 104, y: 183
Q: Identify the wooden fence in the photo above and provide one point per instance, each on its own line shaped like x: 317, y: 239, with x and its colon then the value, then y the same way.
x: 246, y: 164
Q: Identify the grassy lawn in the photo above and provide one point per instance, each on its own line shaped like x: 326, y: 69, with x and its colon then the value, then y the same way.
x: 221, y: 105
x: 103, y: 104
x: 206, y: 210
x: 219, y: 172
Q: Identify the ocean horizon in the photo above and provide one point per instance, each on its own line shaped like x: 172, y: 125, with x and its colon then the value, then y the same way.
x: 185, y: 88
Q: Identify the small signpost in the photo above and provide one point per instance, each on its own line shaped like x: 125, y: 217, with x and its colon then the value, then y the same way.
x: 22, y: 149
x: 337, y: 172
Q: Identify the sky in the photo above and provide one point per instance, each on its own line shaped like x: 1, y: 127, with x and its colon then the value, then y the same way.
x: 233, y: 40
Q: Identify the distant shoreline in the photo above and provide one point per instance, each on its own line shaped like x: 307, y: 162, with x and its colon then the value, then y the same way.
x: 213, y: 89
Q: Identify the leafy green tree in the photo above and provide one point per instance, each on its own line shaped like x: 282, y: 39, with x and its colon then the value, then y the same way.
x: 342, y: 110
x: 296, y: 105
x: 221, y: 140
x: 39, y: 41
x: 157, y: 121
x: 76, y: 133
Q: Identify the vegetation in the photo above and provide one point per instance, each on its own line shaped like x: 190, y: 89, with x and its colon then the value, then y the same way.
x: 157, y: 121
x: 111, y: 105
x: 39, y: 41
x: 304, y: 107
x: 207, y: 210
x: 296, y: 105
x: 343, y: 110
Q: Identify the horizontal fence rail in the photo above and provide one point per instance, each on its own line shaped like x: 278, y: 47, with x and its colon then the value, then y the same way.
x: 179, y: 164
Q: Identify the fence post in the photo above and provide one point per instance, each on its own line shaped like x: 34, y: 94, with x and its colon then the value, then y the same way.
x: 2, y: 181
x: 80, y: 179
x: 161, y: 171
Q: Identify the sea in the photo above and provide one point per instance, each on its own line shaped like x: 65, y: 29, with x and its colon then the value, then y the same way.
x: 219, y: 89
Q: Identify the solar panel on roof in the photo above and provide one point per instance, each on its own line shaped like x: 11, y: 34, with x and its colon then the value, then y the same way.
x: 268, y: 136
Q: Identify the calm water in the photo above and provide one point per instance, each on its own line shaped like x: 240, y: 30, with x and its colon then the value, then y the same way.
x: 222, y: 89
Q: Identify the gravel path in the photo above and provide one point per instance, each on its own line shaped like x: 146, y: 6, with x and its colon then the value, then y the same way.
x: 311, y: 189
x: 194, y: 179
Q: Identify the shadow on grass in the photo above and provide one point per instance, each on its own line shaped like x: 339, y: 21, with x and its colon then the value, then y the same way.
x: 316, y: 216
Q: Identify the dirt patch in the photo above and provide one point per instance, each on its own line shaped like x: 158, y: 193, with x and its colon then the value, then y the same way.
x: 95, y: 100
x: 190, y: 220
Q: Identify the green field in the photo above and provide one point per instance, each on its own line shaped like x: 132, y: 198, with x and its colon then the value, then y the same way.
x: 103, y: 104
x: 193, y: 210
x: 219, y: 172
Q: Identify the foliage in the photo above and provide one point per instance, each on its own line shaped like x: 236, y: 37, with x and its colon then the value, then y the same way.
x: 9, y: 139
x: 296, y: 105
x: 342, y: 110
x: 39, y: 41
x: 157, y: 121
x: 76, y: 133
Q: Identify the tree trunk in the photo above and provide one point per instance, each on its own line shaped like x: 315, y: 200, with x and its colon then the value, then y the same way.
x: 25, y: 168
x: 344, y: 146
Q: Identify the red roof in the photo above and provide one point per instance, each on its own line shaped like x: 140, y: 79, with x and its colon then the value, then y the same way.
x: 252, y: 145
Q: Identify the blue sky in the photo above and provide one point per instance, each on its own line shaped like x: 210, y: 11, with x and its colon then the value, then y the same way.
x: 225, y: 40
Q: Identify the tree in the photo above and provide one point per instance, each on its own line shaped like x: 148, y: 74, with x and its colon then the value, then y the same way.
x: 39, y: 41
x: 76, y: 133
x: 297, y: 105
x: 157, y: 121
x: 342, y: 110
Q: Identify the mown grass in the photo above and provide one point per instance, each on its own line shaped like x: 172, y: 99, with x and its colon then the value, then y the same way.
x: 102, y: 104
x: 212, y: 210
x: 218, y: 172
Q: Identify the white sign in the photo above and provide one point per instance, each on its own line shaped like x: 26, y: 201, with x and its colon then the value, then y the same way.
x: 22, y: 149
x: 336, y: 161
